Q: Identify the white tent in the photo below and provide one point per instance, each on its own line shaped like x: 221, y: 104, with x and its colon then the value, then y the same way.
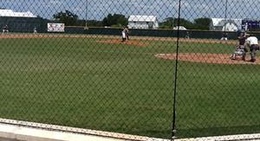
x: 179, y: 27
x: 143, y: 22
x: 222, y: 24
x: 11, y: 13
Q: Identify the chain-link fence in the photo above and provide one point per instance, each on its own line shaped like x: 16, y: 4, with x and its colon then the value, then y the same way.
x: 157, y: 68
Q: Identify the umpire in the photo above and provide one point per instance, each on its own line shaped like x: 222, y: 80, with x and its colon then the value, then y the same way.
x: 252, y: 43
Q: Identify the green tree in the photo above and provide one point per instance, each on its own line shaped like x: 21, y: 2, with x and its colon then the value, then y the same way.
x: 202, y: 23
x: 67, y: 17
x: 183, y: 22
x: 94, y: 23
x: 199, y: 23
x: 115, y: 20
x: 167, y: 23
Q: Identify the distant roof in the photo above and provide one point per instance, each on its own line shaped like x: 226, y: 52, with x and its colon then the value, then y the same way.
x: 142, y: 18
x: 11, y: 13
x: 223, y: 21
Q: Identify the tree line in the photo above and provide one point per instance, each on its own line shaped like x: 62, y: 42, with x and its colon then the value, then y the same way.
x: 119, y: 20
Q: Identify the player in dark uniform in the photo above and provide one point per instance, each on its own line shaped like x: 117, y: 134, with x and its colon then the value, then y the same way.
x: 5, y: 29
x: 242, y: 39
x: 240, y: 49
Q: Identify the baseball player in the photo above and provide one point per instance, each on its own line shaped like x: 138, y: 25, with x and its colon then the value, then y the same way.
x: 240, y: 50
x: 34, y: 30
x: 127, y: 33
x: 224, y: 36
x: 5, y: 29
x: 123, y: 35
x: 252, y: 43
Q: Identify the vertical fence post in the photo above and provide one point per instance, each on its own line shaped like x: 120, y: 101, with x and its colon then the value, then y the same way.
x: 174, y: 130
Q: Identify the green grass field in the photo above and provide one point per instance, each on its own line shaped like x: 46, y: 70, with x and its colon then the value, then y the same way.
x: 80, y: 82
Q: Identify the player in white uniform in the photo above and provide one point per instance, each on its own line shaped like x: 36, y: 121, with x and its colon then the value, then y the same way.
x: 123, y: 35
x: 252, y: 43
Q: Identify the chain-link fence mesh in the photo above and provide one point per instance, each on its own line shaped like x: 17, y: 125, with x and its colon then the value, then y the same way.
x: 156, y: 68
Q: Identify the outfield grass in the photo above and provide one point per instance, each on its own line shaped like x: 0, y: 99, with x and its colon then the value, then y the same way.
x: 218, y: 100
x: 82, y: 83
x: 123, y: 88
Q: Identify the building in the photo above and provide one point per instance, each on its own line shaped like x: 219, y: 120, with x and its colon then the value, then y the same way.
x: 143, y: 22
x: 251, y: 24
x: 20, y: 21
x: 221, y: 24
x: 11, y: 13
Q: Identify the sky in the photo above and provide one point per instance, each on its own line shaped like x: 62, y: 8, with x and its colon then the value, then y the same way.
x: 98, y: 9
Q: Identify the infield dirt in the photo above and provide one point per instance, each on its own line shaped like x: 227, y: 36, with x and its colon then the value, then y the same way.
x: 205, y: 58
